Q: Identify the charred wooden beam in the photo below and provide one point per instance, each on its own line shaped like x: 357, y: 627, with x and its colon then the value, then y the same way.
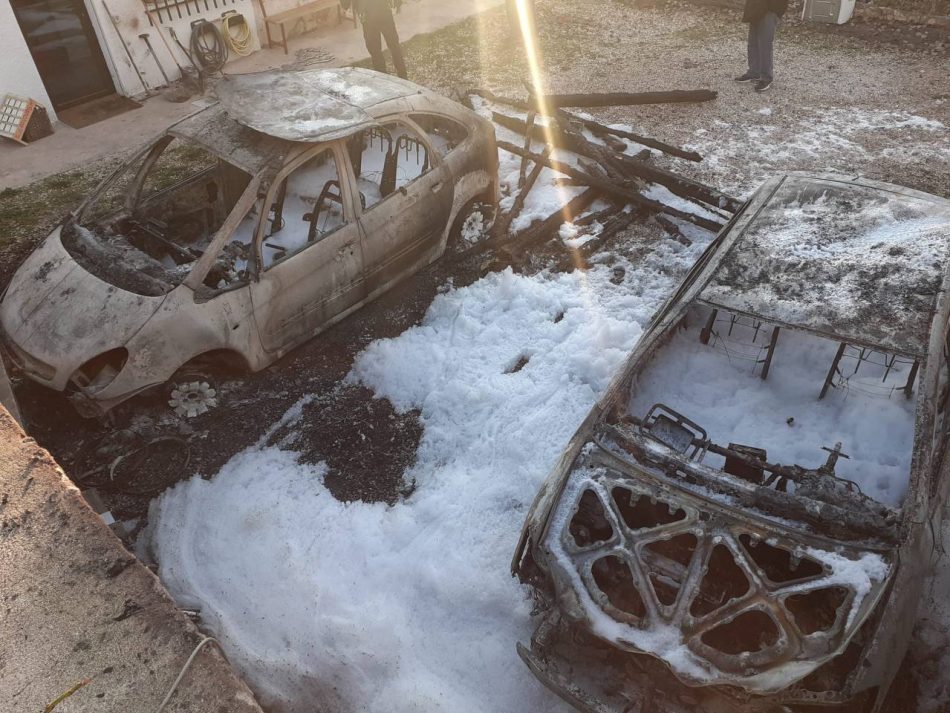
x: 624, y: 98
x: 603, y: 131
x: 527, y: 145
x: 617, y: 223
x: 613, y: 189
x: 593, y: 126
x: 562, y: 137
x: 626, y: 165
x: 599, y: 216
x: 503, y: 221
x: 545, y: 228
x: 673, y: 229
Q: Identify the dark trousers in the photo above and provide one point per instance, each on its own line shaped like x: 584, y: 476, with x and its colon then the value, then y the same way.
x: 761, y: 39
x: 377, y: 24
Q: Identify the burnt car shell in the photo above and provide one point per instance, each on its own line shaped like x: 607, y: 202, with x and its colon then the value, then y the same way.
x: 245, y: 230
x: 626, y: 607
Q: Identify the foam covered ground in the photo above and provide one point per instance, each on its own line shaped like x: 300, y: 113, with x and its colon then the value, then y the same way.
x: 365, y: 607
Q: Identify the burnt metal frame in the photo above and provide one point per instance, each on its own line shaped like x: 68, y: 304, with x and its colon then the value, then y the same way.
x: 707, y: 331
x: 762, y: 595
x: 864, y: 355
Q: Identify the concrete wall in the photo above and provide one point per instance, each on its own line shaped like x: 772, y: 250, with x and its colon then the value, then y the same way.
x: 18, y: 74
x: 133, y: 21
x: 79, y: 608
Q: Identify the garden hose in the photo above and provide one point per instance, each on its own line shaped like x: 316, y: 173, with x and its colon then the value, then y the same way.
x: 238, y: 39
x: 208, y: 46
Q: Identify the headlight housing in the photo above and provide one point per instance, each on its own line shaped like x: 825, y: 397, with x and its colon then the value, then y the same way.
x: 100, y: 371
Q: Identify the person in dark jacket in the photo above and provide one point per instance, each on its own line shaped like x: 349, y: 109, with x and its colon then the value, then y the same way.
x: 378, y: 22
x: 763, y: 17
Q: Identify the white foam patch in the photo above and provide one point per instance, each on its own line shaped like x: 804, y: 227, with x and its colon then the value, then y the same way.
x: 366, y: 607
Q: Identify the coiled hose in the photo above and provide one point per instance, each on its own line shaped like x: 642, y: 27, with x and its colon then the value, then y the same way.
x: 208, y: 46
x: 237, y: 33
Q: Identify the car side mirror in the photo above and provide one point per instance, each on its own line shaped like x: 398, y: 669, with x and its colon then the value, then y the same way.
x: 308, y: 217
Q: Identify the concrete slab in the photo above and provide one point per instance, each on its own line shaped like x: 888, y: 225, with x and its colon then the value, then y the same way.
x: 69, y: 148
x: 75, y: 605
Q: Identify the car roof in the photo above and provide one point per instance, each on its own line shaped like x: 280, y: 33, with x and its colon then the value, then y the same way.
x: 247, y: 149
x: 310, y: 105
x: 857, y: 260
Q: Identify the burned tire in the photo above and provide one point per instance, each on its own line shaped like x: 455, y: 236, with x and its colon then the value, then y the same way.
x: 192, y: 390
x: 472, y: 225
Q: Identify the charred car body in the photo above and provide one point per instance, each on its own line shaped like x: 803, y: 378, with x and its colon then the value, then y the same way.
x: 745, y: 520
x: 245, y: 230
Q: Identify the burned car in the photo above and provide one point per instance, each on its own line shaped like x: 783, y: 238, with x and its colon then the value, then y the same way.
x: 745, y: 520
x: 244, y: 230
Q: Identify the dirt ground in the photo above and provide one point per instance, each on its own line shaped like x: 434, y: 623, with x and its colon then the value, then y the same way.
x: 841, y: 101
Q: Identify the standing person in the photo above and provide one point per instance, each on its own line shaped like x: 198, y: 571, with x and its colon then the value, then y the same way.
x: 763, y: 17
x: 378, y: 22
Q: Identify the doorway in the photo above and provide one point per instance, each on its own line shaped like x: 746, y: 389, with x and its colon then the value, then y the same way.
x: 65, y: 50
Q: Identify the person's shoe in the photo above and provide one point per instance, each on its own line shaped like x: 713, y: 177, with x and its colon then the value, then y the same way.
x: 746, y: 78
x: 763, y: 85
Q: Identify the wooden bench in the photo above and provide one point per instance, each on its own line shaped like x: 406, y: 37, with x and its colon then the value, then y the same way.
x: 295, y: 14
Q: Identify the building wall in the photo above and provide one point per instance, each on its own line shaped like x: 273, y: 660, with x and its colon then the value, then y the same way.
x: 304, y: 24
x: 132, y: 21
x: 18, y: 74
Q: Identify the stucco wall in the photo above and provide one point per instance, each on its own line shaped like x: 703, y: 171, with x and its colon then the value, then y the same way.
x: 18, y: 73
x: 133, y: 21
x: 79, y: 608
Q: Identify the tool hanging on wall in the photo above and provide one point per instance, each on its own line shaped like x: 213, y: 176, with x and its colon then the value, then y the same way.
x: 128, y: 52
x: 148, y: 43
x: 161, y: 34
x: 199, y: 75
x: 237, y: 33
x: 158, y: 29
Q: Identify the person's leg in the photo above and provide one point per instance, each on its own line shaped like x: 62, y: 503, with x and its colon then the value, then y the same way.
x: 387, y: 26
x: 374, y: 42
x: 752, y: 51
x: 766, y: 41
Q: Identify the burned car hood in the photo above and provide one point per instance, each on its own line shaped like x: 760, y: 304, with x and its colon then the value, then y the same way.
x: 58, y: 312
x: 654, y: 566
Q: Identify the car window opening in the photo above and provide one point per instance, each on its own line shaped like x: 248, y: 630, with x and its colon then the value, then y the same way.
x: 148, y: 240
x: 727, y: 392
x: 386, y: 159
x: 444, y: 133
x: 307, y: 207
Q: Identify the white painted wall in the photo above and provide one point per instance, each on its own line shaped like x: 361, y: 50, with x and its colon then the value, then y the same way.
x: 132, y: 21
x: 18, y: 73
x: 304, y: 24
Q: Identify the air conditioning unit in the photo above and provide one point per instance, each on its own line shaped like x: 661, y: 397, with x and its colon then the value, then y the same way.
x: 836, y: 12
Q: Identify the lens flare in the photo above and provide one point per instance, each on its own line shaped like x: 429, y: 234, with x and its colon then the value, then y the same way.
x: 528, y: 39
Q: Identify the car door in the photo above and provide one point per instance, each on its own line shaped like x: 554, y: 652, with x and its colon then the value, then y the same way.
x: 308, y: 250
x: 405, y: 190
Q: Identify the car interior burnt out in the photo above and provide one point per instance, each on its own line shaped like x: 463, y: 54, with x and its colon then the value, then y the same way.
x: 783, y: 409
x: 150, y: 222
